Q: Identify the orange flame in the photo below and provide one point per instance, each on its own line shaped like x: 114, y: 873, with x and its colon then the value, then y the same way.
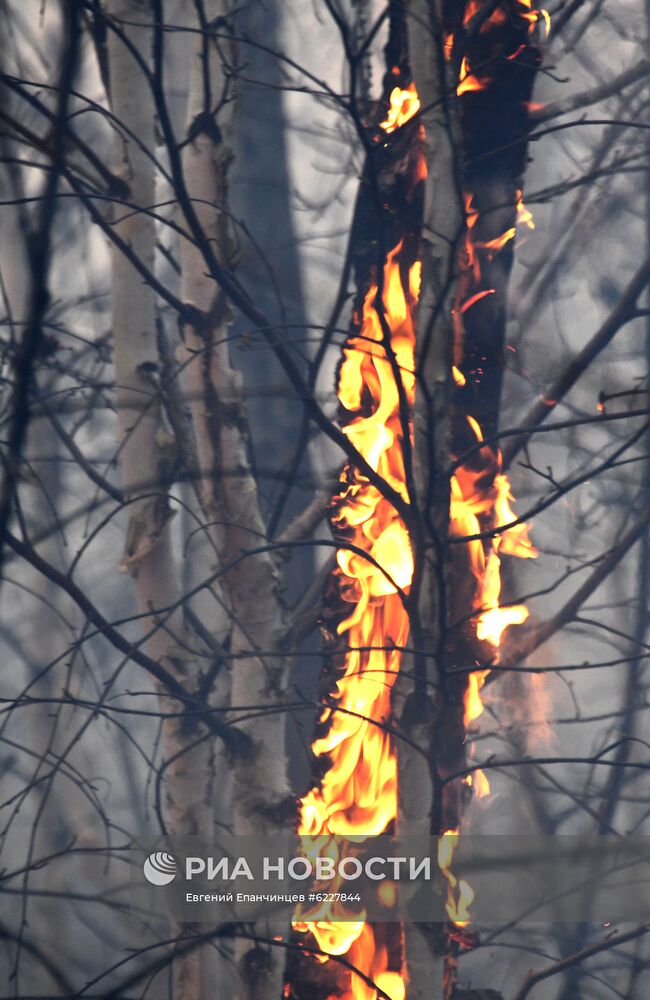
x: 481, y: 496
x: 459, y: 378
x: 468, y: 82
x: 468, y: 79
x: 477, y: 494
x: 358, y: 793
x: 498, y: 16
x: 533, y: 16
x: 479, y: 782
x: 493, y: 246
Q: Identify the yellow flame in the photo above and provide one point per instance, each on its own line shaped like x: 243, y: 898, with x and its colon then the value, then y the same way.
x: 498, y: 242
x: 358, y: 794
x: 484, y: 492
x: 467, y: 82
x: 459, y: 893
x: 524, y: 215
x: 481, y: 784
x: 392, y: 984
x: 404, y: 104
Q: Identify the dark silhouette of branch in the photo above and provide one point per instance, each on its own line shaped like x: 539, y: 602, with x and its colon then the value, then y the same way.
x: 624, y: 311
x: 585, y: 98
x: 237, y: 742
x: 613, y: 940
x: 39, y: 252
x: 542, y: 633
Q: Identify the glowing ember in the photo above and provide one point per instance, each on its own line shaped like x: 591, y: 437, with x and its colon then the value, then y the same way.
x: 474, y: 299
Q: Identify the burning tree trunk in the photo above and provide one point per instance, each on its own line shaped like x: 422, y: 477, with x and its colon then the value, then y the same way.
x: 146, y: 455
x: 492, y: 67
x: 367, y: 614
x: 398, y: 579
x: 407, y: 583
x: 491, y: 64
x: 420, y: 792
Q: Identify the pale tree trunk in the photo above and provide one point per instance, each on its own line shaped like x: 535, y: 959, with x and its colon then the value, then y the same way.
x: 50, y: 819
x: 251, y: 588
x: 269, y: 263
x: 145, y: 447
x: 420, y: 803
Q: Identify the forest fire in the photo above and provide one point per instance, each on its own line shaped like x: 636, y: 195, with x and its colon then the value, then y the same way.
x: 358, y: 792
x: 278, y: 691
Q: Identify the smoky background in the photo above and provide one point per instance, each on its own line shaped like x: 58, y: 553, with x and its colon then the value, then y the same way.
x: 78, y: 781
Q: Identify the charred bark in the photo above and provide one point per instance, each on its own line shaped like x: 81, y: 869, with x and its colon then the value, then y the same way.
x: 495, y: 61
x: 478, y: 98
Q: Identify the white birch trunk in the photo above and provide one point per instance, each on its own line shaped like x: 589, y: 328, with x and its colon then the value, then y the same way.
x: 145, y: 453
x: 260, y: 791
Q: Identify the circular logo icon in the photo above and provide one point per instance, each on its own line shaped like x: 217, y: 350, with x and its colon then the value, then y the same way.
x: 160, y: 868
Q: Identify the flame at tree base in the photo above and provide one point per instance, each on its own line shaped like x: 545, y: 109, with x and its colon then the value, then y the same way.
x: 358, y: 794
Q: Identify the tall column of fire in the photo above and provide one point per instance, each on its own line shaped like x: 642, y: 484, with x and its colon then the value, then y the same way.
x: 357, y: 792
